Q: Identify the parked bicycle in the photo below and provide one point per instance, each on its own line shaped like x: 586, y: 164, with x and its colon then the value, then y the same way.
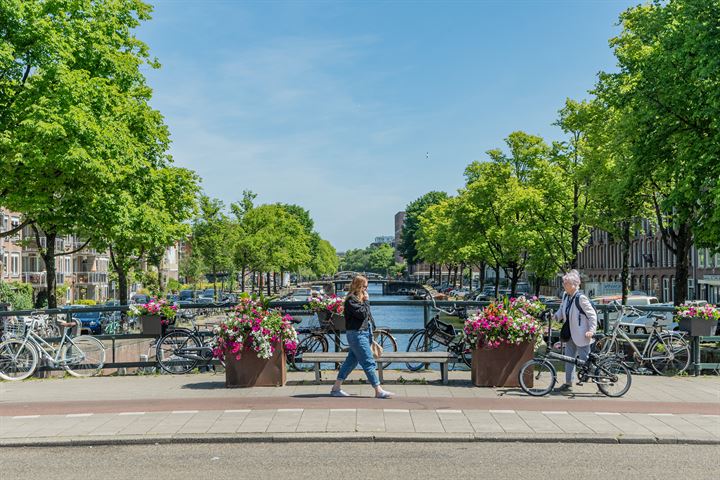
x: 667, y: 353
x: 318, y: 338
x: 22, y: 349
x: 182, y: 349
x: 538, y: 376
x: 441, y: 336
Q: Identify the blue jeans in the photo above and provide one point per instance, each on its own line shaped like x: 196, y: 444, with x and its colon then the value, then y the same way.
x: 572, y: 350
x: 359, y: 342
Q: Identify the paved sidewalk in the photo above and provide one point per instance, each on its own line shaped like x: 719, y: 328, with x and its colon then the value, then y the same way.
x: 164, y: 408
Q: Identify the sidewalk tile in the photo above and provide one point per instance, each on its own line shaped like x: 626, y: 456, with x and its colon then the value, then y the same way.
x: 511, y: 422
x: 426, y: 421
x: 201, y: 422
x: 257, y: 421
x: 454, y: 421
x: 707, y: 423
x: 228, y: 422
x: 342, y: 420
x: 144, y: 423
x: 569, y: 424
x: 370, y: 420
x: 483, y: 422
x: 596, y: 423
x: 313, y: 420
x: 398, y: 421
x: 285, y: 421
x: 539, y: 422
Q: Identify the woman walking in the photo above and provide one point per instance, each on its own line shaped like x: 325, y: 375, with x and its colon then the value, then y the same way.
x: 359, y: 323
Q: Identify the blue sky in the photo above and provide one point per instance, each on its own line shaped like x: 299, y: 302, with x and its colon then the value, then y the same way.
x: 354, y: 109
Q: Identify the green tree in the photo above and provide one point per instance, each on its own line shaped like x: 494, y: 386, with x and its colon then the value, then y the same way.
x: 74, y: 117
x: 212, y: 232
x: 667, y: 97
x: 413, y: 211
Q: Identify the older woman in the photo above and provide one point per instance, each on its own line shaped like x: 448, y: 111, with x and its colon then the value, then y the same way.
x: 579, y: 312
x: 359, y: 323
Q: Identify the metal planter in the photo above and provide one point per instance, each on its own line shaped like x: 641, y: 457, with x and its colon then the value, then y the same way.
x: 698, y: 327
x: 252, y: 371
x: 499, y: 367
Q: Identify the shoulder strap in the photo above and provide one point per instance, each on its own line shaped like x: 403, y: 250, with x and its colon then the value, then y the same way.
x: 577, y: 305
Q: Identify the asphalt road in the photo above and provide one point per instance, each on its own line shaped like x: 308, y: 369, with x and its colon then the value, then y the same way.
x: 366, y: 461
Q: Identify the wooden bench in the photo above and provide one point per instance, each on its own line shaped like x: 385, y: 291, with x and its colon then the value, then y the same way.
x: 442, y: 358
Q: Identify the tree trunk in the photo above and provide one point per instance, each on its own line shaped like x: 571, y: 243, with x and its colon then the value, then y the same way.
x: 683, y: 246
x: 625, y: 260
x: 158, y: 265
x: 514, y: 277
x: 268, y: 282
x: 214, y: 273
x: 497, y: 279
x: 242, y: 279
x: 462, y: 267
x: 49, y: 259
x: 481, y: 275
x: 122, y: 285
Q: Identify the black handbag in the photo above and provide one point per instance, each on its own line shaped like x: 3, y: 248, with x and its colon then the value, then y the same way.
x: 565, y: 331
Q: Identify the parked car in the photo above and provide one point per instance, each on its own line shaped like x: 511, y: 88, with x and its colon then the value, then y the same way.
x: 90, y: 322
x: 186, y: 295
x: 140, y: 298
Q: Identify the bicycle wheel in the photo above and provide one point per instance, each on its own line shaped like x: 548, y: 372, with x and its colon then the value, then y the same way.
x: 605, y: 346
x: 420, y: 342
x: 175, y: 352
x: 613, y: 377
x: 537, y: 377
x: 669, y: 356
x: 386, y: 341
x: 311, y: 343
x: 18, y: 360
x: 83, y: 356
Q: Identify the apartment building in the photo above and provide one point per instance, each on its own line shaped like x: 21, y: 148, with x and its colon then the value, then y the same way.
x: 652, y: 266
x: 85, y: 273
x: 10, y: 247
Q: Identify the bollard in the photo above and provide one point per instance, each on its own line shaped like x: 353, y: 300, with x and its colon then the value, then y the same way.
x: 143, y: 358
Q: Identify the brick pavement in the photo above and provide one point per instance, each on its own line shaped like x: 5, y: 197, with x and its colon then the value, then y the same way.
x: 197, y: 406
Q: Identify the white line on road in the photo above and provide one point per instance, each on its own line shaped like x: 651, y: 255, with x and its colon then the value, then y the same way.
x: 555, y: 412
x: 607, y: 413
x: 131, y: 413
x: 396, y: 410
x: 184, y: 411
x: 238, y: 411
x: 501, y: 411
x: 290, y: 409
x: 26, y: 416
x: 73, y: 415
x: 343, y: 409
x: 448, y: 411
x: 660, y: 414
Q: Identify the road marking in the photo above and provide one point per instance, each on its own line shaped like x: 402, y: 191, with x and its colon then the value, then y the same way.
x: 237, y: 411
x: 131, y: 413
x: 501, y: 411
x: 73, y: 415
x: 396, y: 410
x: 290, y: 409
x: 660, y: 414
x: 711, y: 416
x: 448, y: 411
x: 26, y: 416
x: 343, y: 409
x: 607, y: 413
x: 184, y: 411
x: 555, y: 412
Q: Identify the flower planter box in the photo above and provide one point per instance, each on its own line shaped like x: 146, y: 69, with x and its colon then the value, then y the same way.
x: 252, y: 371
x: 151, y: 325
x: 334, y: 320
x: 698, y: 327
x: 499, y: 367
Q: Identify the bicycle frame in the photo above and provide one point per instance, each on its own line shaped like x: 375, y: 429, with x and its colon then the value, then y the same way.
x: 642, y: 356
x: 42, y: 347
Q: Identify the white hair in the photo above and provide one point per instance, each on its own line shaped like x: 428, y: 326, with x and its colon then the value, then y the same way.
x: 572, y: 277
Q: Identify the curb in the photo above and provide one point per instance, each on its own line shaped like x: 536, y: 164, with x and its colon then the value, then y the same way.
x: 350, y: 437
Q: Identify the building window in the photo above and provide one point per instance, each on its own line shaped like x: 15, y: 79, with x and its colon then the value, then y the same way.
x: 15, y: 265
